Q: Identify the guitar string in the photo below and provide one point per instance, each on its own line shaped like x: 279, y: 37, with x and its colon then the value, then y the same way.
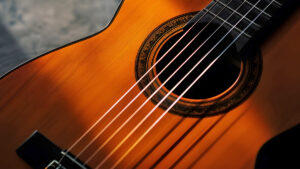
x: 142, y: 91
x: 163, y: 100
x: 133, y: 114
x: 154, y: 124
x: 132, y: 87
x: 148, y: 99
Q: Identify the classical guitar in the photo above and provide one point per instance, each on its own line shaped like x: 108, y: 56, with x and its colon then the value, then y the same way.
x: 168, y: 84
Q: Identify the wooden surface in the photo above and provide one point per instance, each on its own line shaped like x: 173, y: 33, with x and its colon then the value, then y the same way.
x: 63, y: 93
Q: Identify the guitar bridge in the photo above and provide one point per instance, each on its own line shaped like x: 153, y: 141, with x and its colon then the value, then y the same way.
x: 39, y: 152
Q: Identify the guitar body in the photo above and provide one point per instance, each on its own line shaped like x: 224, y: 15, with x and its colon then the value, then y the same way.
x: 61, y: 94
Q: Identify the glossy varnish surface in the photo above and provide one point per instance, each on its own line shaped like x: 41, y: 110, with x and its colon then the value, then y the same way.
x: 62, y: 93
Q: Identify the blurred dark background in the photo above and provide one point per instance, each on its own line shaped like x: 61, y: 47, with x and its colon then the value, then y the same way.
x: 29, y: 28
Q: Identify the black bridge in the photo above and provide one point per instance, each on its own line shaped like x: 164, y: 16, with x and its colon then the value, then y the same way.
x: 40, y: 153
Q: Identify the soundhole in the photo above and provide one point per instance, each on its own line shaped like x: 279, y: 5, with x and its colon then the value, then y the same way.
x: 220, y: 77
x: 223, y: 86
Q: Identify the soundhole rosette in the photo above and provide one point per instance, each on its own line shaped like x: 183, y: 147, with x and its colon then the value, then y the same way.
x: 238, y: 89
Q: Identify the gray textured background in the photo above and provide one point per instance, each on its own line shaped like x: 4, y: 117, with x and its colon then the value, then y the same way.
x: 29, y: 28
